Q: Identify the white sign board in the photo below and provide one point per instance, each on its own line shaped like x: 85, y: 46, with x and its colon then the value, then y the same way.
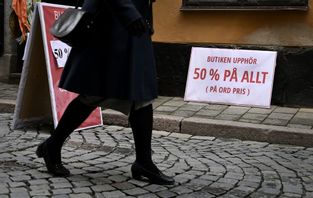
x: 231, y: 76
x: 60, y: 52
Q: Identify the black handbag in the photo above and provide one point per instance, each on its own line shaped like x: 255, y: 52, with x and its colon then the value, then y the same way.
x: 74, y: 26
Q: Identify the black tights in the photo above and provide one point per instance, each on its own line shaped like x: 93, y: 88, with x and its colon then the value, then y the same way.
x: 77, y: 112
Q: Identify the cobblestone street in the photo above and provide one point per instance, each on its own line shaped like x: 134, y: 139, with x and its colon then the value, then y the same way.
x: 100, y: 158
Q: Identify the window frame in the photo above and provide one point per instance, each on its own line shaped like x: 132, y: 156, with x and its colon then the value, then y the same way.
x: 200, y: 5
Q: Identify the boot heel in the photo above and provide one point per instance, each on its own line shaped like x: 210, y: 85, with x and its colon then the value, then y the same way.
x: 39, y: 151
x: 136, y: 175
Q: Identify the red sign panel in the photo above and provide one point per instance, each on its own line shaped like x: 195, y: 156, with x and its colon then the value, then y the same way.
x: 60, y: 98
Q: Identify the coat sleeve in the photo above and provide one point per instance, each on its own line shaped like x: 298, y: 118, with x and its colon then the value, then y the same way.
x: 125, y: 10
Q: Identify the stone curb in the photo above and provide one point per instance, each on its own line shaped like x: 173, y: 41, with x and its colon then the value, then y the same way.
x: 7, y: 106
x: 208, y: 127
x: 114, y: 118
x: 222, y: 128
x: 248, y: 131
x: 167, y: 123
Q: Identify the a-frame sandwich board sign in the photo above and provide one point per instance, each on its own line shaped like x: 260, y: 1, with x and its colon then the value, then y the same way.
x: 39, y: 97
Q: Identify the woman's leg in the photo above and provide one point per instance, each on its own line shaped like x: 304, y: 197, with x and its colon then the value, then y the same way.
x: 75, y: 114
x: 141, y: 122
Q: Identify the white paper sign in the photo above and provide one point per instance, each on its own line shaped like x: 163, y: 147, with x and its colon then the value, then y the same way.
x: 60, y: 52
x: 229, y: 76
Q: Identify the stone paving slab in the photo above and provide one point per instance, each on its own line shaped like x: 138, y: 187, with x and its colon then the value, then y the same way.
x: 100, y: 159
x: 276, y: 124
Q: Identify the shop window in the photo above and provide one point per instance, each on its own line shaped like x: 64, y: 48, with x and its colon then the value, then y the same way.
x: 244, y: 5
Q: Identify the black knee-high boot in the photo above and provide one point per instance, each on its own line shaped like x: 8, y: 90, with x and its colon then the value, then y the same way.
x: 141, y: 122
x: 75, y: 113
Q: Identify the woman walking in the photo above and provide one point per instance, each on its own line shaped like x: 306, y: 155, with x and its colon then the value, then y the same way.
x: 116, y: 70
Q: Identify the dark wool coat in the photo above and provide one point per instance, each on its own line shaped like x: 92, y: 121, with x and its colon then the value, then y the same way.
x: 115, y: 64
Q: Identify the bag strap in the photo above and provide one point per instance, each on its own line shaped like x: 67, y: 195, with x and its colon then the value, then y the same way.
x: 95, y: 15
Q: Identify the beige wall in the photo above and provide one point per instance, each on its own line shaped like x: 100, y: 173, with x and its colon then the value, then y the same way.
x: 286, y: 28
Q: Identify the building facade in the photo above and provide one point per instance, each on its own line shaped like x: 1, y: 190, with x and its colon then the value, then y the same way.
x: 285, y: 27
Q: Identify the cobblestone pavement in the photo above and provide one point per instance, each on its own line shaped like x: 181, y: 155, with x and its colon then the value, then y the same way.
x: 100, y: 160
